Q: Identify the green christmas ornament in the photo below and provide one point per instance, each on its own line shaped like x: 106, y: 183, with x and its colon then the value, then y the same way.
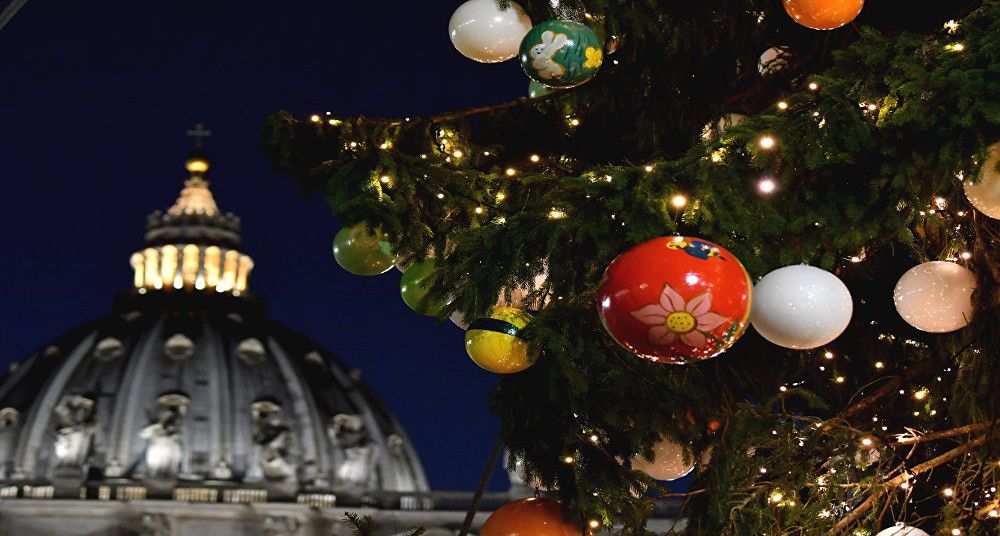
x: 363, y: 252
x: 561, y: 53
x: 414, y: 287
x: 537, y: 89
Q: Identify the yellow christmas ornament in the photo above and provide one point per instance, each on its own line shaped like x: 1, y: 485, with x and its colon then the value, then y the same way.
x: 495, y: 342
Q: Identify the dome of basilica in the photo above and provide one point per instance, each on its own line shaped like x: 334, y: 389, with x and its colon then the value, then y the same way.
x: 188, y: 391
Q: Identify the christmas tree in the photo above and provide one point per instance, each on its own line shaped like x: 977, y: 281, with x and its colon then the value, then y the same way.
x: 864, y: 395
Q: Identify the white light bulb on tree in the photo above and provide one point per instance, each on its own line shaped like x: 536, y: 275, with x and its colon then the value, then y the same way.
x: 985, y: 194
x: 671, y: 461
x: 484, y: 32
x: 902, y: 530
x: 801, y: 307
x: 936, y: 296
x: 773, y: 60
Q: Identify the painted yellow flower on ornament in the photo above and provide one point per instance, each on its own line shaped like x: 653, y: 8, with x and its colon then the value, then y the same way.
x: 594, y: 58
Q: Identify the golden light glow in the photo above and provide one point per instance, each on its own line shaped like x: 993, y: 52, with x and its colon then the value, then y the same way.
x: 197, y: 165
x: 213, y: 257
x: 511, y: 172
x: 457, y: 153
x: 568, y: 459
x: 813, y: 86
x: 501, y: 196
x: 190, y: 264
x: 138, y: 267
x: 767, y: 142
x: 189, y: 267
x: 168, y: 263
x: 535, y: 158
x: 246, y: 264
x: 594, y: 523
x: 556, y: 214
x: 314, y: 118
x: 782, y: 105
x: 921, y: 394
x: 678, y: 201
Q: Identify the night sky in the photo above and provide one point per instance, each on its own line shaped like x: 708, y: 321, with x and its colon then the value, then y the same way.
x: 95, y: 99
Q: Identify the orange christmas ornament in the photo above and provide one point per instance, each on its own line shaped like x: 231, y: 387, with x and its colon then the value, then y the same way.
x: 530, y: 517
x: 823, y: 14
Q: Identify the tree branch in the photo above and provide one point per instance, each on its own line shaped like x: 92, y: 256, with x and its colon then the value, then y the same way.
x: 855, y: 515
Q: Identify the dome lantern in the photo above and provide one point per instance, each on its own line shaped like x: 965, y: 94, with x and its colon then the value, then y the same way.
x: 193, y: 246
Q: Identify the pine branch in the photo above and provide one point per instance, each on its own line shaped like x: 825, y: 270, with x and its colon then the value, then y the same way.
x: 914, y: 437
x: 856, y: 514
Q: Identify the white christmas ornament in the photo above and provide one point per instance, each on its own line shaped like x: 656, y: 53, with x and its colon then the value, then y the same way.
x: 729, y: 120
x: 668, y: 461
x: 902, y: 530
x: 773, y: 60
x: 519, y: 296
x: 801, y: 307
x: 936, y: 296
x: 481, y: 31
x: 985, y: 195
x: 458, y: 318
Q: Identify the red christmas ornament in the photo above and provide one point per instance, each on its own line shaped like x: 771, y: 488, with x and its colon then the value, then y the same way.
x: 675, y: 300
x: 530, y: 517
x: 823, y: 14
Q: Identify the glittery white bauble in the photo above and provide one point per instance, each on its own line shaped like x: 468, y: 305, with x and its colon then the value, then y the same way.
x: 519, y: 296
x: 902, y: 530
x: 936, y: 296
x: 800, y: 307
x: 481, y: 31
x: 710, y: 130
x: 985, y: 195
x: 458, y: 318
x: 668, y: 461
x: 773, y: 60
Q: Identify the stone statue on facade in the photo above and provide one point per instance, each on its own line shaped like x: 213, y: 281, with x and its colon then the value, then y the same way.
x: 74, y: 430
x: 356, y: 451
x: 164, y: 454
x: 272, y: 440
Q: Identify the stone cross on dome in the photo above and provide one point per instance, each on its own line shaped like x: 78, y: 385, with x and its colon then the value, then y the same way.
x: 199, y: 134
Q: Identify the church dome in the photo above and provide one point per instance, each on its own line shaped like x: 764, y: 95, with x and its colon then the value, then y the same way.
x: 188, y: 391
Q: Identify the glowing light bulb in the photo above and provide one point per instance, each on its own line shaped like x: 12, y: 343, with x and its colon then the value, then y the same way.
x: 479, y: 210
x: 879, y: 365
x: 841, y: 379
x: 766, y: 186
x: 678, y: 201
x: 535, y: 158
x: 501, y: 196
x: 813, y: 86
x: 314, y: 118
x: 767, y: 142
x: 458, y: 154
x: 384, y: 179
x: 867, y: 442
x: 511, y: 172
x: 828, y: 354
x: 648, y: 168
x: 568, y: 460
x: 921, y: 394
x: 966, y: 255
x: 948, y: 492
x: 594, y: 523
x: 782, y: 105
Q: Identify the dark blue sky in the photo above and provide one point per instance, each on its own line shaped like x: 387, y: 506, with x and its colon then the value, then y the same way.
x: 95, y: 98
